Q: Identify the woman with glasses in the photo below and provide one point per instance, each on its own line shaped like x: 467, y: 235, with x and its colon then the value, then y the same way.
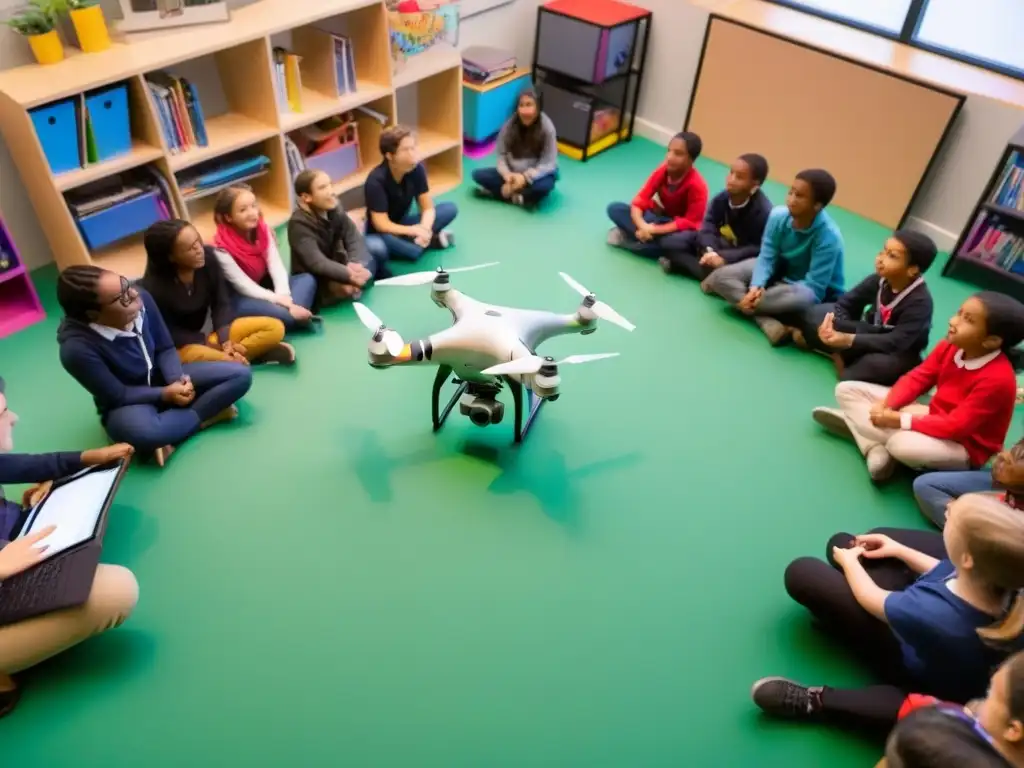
x: 114, y: 342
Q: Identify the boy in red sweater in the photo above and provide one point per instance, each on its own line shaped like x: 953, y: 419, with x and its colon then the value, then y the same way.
x: 965, y: 423
x: 666, y: 214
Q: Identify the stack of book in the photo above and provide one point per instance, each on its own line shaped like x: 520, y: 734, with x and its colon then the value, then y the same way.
x: 996, y: 241
x: 288, y: 80
x: 344, y: 64
x: 181, y: 113
x: 1009, y: 192
x: 482, y: 64
x: 214, y: 175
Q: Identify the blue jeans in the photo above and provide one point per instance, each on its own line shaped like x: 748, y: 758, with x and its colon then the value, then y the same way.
x: 533, y: 193
x: 403, y: 248
x: 935, y: 490
x: 303, y: 288
x: 660, y: 246
x: 148, y: 427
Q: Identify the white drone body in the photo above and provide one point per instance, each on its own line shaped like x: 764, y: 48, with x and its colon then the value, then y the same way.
x: 487, y: 345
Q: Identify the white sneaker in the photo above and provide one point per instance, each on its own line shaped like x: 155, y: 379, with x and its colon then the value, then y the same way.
x: 880, y: 463
x: 833, y: 421
x: 444, y: 239
x: 517, y: 199
x: 616, y: 236
x: 773, y: 329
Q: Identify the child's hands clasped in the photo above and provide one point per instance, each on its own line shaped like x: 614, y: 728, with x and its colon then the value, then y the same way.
x: 748, y: 304
x: 845, y: 557
x: 876, y: 546
x: 831, y: 337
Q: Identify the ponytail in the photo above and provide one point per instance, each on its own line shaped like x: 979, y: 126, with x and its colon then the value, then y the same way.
x: 1010, y: 627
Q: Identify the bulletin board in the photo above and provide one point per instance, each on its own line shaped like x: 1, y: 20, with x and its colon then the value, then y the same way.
x: 876, y: 131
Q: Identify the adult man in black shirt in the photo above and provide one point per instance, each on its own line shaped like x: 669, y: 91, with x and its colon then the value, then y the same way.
x: 391, y: 189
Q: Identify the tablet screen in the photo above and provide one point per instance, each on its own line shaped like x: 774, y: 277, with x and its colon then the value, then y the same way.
x: 74, y: 507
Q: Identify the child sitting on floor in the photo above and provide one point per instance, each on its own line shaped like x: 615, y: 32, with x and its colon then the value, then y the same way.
x: 733, y: 227
x: 921, y: 623
x: 878, y: 330
x: 800, y: 263
x: 527, y: 157
x: 967, y: 419
x: 669, y: 208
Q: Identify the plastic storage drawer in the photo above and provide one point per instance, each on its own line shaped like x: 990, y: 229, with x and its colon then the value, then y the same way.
x: 337, y: 163
x: 104, y: 227
x: 57, y: 130
x: 111, y: 124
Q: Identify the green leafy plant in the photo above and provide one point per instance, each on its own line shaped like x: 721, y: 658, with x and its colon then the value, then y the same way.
x: 36, y: 18
x: 78, y: 5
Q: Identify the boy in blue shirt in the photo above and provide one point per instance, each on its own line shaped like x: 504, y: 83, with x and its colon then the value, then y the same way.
x: 800, y: 263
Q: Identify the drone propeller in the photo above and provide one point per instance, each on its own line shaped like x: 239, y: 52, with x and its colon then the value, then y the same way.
x: 423, y: 278
x: 381, y: 332
x: 601, y: 309
x: 533, y: 363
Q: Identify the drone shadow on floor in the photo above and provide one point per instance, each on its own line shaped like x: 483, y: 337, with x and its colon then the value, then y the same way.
x: 533, y: 468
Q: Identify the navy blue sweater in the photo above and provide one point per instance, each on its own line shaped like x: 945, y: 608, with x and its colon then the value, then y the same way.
x: 114, y: 371
x: 746, y: 224
x: 30, y: 468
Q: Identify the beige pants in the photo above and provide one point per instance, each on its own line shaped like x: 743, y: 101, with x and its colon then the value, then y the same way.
x: 918, y: 451
x: 25, y: 644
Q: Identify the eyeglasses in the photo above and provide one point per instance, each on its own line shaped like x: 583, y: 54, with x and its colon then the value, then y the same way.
x: 127, y: 294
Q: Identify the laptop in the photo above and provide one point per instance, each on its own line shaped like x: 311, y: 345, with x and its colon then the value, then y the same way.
x: 77, y: 505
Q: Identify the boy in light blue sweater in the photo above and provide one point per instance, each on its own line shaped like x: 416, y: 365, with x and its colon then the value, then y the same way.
x: 800, y: 263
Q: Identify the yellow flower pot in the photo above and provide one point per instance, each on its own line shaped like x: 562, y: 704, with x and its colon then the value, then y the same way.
x: 47, y: 48
x: 91, y: 28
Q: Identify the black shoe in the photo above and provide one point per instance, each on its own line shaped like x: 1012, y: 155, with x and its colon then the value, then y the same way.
x: 9, y: 700
x: 784, y: 698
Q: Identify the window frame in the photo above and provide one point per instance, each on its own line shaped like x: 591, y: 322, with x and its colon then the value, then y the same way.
x: 907, y: 35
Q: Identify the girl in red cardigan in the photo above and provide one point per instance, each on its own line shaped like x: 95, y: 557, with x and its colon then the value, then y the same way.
x: 965, y: 423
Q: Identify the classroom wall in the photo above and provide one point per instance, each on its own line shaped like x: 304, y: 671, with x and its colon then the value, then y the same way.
x: 510, y: 26
x: 957, y: 179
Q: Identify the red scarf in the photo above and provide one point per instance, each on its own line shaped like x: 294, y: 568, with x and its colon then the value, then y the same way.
x: 250, y: 255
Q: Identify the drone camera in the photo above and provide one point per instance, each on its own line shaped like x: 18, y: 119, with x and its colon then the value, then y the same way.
x: 482, y: 410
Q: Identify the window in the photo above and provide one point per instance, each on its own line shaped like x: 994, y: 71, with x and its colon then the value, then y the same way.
x: 991, y: 33
x: 986, y: 33
x: 883, y: 14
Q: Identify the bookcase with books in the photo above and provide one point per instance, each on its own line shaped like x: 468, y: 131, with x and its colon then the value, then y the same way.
x: 108, y: 143
x: 993, y: 242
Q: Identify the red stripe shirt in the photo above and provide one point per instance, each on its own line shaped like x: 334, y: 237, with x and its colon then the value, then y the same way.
x: 973, y: 401
x: 683, y: 200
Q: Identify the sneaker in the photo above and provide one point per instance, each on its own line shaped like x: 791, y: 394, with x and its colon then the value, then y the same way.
x: 779, y: 697
x: 481, y: 192
x: 880, y: 463
x: 774, y: 330
x: 517, y: 199
x: 228, y: 414
x: 666, y: 265
x: 616, y: 236
x: 282, y: 354
x: 833, y: 421
x: 444, y: 239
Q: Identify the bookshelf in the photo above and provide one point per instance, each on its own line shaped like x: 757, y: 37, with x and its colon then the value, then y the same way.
x: 156, y: 112
x: 992, y: 245
x: 19, y: 303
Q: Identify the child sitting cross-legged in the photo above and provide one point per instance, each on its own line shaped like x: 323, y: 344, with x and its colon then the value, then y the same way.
x: 878, y: 330
x: 670, y: 206
x: 800, y: 263
x: 922, y: 621
x: 733, y: 227
x: 967, y: 419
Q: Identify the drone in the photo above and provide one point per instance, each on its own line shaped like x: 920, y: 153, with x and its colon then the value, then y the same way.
x: 487, y: 348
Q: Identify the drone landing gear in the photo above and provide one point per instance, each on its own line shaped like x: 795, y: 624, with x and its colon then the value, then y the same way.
x: 519, y: 399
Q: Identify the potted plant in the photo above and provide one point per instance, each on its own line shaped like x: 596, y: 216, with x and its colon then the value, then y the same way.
x: 90, y: 26
x: 37, y: 23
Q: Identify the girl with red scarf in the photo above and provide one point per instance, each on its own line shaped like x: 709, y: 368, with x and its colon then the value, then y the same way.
x: 248, y: 257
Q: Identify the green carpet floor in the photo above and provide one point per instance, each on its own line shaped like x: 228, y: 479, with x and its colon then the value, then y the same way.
x: 326, y: 582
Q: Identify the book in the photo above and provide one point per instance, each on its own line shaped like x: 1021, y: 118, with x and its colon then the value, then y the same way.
x: 179, y: 111
x: 1009, y: 191
x: 288, y: 80
x: 995, y: 240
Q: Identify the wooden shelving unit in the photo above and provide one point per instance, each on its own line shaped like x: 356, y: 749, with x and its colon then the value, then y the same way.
x: 991, y: 266
x: 231, y: 66
x: 19, y: 303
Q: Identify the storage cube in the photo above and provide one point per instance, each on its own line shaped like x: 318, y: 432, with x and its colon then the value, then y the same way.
x: 104, y: 227
x: 485, y: 108
x: 56, y: 128
x: 585, y: 116
x: 109, y: 119
x: 336, y: 163
x: 590, y: 40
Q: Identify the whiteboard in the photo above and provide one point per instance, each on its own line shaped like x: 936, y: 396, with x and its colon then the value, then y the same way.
x: 469, y: 8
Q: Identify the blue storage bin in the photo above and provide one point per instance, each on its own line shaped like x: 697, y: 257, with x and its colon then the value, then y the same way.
x: 338, y: 163
x: 57, y: 130
x: 485, y: 109
x: 104, y: 227
x: 111, y: 125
